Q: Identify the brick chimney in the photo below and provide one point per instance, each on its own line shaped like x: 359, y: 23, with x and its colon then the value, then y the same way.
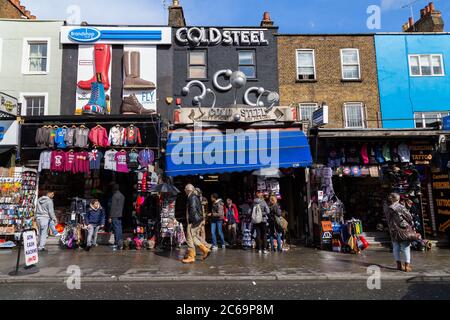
x: 430, y: 21
x: 266, y: 22
x: 176, y: 15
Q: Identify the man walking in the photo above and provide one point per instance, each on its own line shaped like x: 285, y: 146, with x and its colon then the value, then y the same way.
x: 195, y: 219
x: 115, y: 216
x: 217, y: 216
x: 44, y: 213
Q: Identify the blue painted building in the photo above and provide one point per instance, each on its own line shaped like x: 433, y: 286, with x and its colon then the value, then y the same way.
x: 414, y: 78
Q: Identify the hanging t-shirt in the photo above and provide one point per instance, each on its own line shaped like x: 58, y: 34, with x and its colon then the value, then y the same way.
x: 146, y: 157
x: 81, y: 162
x: 133, y: 160
x: 110, y: 161
x: 70, y: 161
x: 60, y: 134
x: 404, y: 153
x: 58, y: 161
x: 95, y: 158
x: 121, y: 161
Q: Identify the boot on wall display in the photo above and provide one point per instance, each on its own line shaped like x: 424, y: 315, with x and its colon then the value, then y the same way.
x: 139, y: 84
x: 94, y: 61
x: 102, y: 61
x: 131, y: 105
x: 132, y: 67
x: 97, y: 102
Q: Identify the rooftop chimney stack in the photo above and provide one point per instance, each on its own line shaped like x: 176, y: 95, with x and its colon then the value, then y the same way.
x: 430, y: 21
x: 176, y: 15
x: 266, y: 22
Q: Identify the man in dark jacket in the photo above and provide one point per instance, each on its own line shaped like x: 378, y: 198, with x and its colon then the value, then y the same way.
x: 195, y: 218
x: 95, y: 220
x: 115, y: 216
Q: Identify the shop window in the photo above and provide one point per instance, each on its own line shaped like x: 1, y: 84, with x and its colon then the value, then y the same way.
x: 247, y: 63
x: 36, y: 56
x: 306, y: 69
x: 197, y: 65
x: 354, y: 115
x: 34, y: 105
x: 307, y: 110
x: 350, y: 64
x: 428, y: 119
x: 426, y: 65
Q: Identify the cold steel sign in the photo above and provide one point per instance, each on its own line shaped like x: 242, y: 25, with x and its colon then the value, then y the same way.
x: 213, y: 36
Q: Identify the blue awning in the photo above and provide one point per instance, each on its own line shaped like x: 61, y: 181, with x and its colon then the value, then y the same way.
x: 214, y: 152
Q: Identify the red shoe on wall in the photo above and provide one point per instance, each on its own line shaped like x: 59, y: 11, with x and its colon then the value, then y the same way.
x: 102, y: 60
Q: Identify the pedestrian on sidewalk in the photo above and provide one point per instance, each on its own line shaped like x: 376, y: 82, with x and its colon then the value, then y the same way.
x: 44, y: 214
x: 204, y: 202
x: 195, y: 219
x: 246, y: 225
x: 274, y: 229
x: 115, y: 216
x: 260, y: 220
x: 231, y: 221
x: 400, y: 223
x: 95, y: 220
x: 217, y: 217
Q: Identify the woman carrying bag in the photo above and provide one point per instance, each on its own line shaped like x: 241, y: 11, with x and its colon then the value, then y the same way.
x: 275, y: 229
x: 401, y: 228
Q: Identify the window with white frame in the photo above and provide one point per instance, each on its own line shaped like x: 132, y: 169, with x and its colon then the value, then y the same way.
x: 428, y: 119
x: 422, y: 65
x: 350, y: 64
x: 354, y: 115
x: 34, y: 104
x: 36, y: 56
x: 247, y: 63
x: 197, y: 64
x: 307, y: 110
x: 306, y: 66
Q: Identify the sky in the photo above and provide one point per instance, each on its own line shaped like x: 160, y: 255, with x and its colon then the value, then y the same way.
x: 292, y: 16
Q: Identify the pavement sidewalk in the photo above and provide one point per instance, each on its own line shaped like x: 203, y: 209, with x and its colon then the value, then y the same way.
x: 101, y: 264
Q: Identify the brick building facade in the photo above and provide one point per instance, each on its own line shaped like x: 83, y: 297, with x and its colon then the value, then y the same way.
x: 322, y: 79
x: 12, y: 9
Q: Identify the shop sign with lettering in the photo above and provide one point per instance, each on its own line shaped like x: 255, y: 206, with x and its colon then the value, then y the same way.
x: 213, y: 36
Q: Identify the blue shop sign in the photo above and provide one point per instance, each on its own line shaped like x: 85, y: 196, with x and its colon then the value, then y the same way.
x: 446, y: 123
x: 85, y: 34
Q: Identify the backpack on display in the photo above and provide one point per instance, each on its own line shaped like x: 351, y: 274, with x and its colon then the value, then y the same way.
x: 257, y: 214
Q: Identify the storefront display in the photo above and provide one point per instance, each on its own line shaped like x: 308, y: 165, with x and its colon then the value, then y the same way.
x: 17, y: 201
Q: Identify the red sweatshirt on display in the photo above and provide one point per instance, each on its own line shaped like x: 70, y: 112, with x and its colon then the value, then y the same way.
x: 82, y: 162
x: 70, y: 161
x: 58, y: 161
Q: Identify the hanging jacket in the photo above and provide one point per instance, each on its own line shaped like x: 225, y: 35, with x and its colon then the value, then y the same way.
x: 52, y: 136
x: 44, y: 160
x: 60, y: 134
x: 69, y: 137
x: 132, y: 136
x: 110, y: 160
x: 121, y: 161
x: 116, y: 136
x: 404, y: 153
x: 70, y: 161
x: 99, y: 137
x: 146, y: 157
x: 95, y: 158
x: 81, y: 137
x: 42, y: 138
x: 58, y: 161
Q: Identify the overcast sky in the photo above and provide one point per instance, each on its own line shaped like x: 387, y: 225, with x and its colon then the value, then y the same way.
x: 292, y: 16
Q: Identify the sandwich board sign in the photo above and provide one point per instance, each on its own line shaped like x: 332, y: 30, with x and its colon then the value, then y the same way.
x: 30, y: 248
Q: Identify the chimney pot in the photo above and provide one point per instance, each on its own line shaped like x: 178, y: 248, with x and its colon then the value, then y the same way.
x: 411, y: 21
x: 427, y: 9
x: 266, y: 16
x: 422, y: 13
x: 431, y: 6
x: 176, y: 3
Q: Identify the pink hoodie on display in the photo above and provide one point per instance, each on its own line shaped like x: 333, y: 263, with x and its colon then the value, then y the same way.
x: 70, y: 161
